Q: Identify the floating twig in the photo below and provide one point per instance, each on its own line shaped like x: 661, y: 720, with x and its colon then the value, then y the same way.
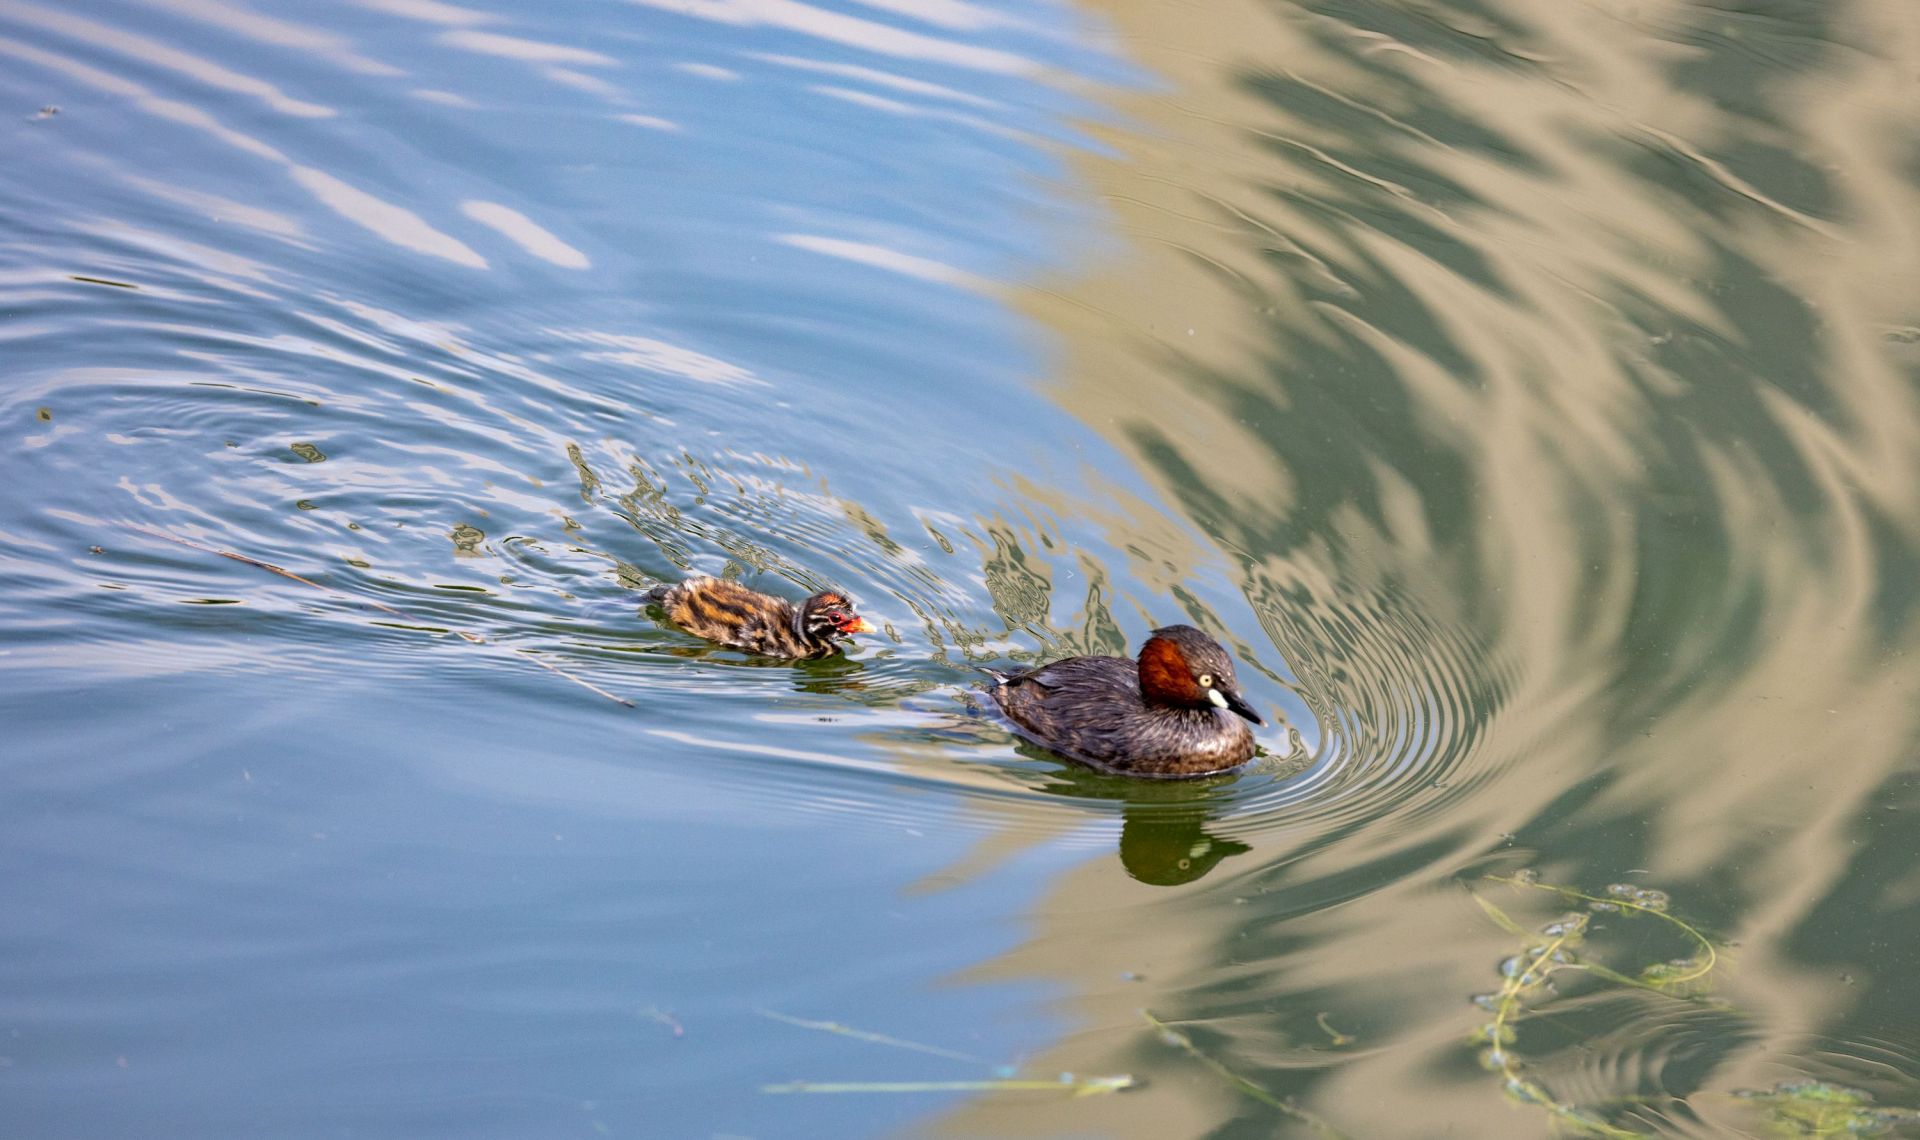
x: 1065, y: 1082
x: 464, y: 635
x: 1337, y: 1038
x: 876, y: 1038
x: 655, y: 1013
x: 1175, y: 1037
x: 1089, y: 1086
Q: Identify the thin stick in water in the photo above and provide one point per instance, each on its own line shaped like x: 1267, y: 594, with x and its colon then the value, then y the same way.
x: 1175, y: 1037
x: 1091, y: 1086
x: 876, y: 1038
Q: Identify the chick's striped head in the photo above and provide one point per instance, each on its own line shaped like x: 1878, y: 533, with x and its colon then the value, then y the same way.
x: 829, y: 613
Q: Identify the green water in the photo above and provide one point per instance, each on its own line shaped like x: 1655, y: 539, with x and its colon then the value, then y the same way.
x: 1524, y: 392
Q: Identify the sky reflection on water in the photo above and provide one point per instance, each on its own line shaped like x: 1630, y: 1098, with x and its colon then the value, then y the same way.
x: 1523, y: 391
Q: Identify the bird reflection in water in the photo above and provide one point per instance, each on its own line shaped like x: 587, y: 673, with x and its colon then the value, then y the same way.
x: 1168, y: 832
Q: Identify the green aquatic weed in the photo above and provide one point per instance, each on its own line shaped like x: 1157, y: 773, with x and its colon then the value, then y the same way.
x: 1629, y: 900
x: 1526, y: 980
x: 1812, y: 1108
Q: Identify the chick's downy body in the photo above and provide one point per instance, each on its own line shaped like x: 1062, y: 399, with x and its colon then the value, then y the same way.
x: 1170, y: 714
x: 731, y: 614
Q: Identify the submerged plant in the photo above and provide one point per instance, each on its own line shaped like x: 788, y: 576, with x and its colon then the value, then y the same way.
x: 1526, y: 980
x: 1816, y: 1108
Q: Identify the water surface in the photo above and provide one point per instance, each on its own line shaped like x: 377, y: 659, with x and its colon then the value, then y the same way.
x: 1524, y: 391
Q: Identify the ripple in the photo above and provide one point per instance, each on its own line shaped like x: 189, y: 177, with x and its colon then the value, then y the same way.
x: 557, y: 459
x: 1643, y: 1050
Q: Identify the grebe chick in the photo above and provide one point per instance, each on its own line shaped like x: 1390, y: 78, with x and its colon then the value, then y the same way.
x: 733, y: 615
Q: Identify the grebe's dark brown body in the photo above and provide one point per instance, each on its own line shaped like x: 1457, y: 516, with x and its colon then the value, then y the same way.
x: 733, y: 615
x: 1167, y: 715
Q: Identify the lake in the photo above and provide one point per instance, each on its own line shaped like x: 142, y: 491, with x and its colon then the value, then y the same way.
x: 1527, y: 393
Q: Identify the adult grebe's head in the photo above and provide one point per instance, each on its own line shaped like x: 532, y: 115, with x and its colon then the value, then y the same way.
x: 1184, y: 668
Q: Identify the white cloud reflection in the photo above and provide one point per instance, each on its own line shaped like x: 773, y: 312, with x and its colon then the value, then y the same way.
x: 658, y: 356
x: 525, y: 233
x: 839, y: 28
x: 880, y: 257
x: 430, y: 12
x: 532, y: 51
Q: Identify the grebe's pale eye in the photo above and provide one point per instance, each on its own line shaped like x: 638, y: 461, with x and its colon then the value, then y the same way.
x: 1206, y: 680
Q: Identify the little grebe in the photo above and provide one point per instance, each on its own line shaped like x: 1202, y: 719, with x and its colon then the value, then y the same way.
x: 731, y: 614
x: 1164, y: 716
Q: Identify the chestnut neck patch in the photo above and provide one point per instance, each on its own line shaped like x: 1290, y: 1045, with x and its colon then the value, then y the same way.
x: 1164, y: 675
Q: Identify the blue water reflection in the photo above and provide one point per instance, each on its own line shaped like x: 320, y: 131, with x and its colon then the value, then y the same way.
x: 1522, y: 392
